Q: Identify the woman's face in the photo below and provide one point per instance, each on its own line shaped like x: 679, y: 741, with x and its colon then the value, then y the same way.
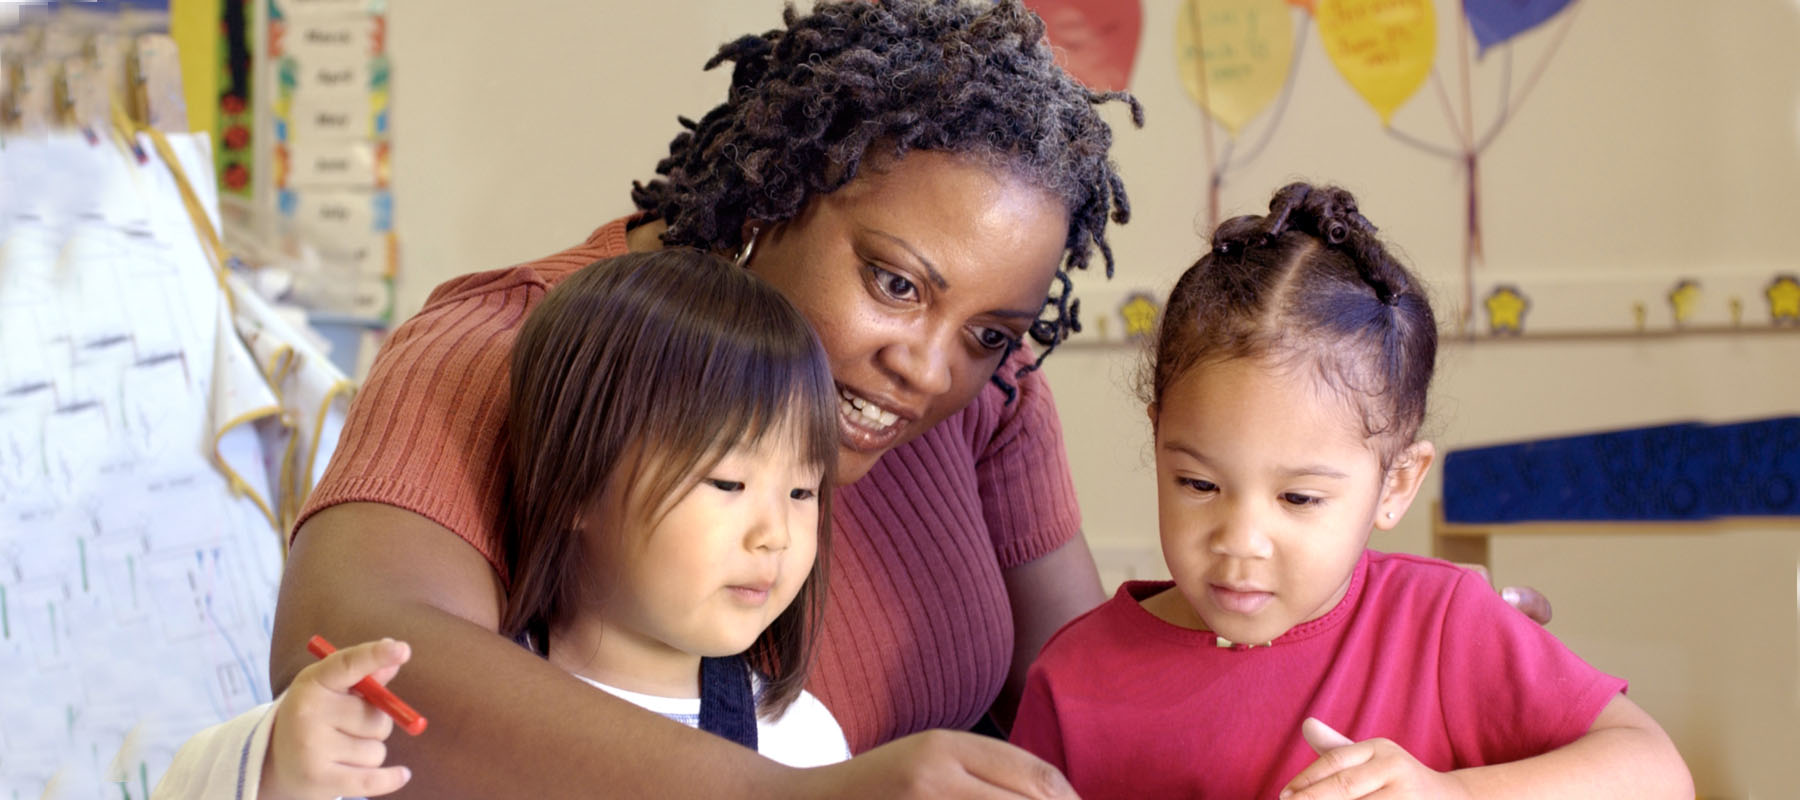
x: 916, y: 275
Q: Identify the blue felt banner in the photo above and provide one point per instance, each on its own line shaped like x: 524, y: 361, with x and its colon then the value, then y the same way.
x: 1688, y: 471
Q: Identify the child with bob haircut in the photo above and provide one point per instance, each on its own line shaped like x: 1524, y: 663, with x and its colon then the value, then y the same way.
x: 1285, y: 391
x: 672, y: 430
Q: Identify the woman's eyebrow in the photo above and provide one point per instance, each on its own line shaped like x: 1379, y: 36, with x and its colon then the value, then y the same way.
x: 930, y: 268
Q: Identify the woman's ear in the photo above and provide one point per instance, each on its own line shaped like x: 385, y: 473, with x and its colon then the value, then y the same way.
x: 1402, y: 484
x: 1151, y: 410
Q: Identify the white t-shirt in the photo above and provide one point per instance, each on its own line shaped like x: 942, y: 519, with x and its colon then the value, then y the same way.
x: 806, y: 735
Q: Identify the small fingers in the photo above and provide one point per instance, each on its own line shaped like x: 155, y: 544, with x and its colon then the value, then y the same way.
x: 344, y: 780
x: 342, y: 669
x: 1327, y: 777
x: 1321, y: 737
x: 377, y: 782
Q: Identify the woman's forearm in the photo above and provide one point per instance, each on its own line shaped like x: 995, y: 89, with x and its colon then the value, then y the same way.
x: 503, y: 722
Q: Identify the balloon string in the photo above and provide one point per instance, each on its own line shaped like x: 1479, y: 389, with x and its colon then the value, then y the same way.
x: 1281, y: 103
x: 1214, y: 171
x: 1537, y: 72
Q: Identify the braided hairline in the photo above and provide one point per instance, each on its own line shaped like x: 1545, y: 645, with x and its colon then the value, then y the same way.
x: 807, y: 103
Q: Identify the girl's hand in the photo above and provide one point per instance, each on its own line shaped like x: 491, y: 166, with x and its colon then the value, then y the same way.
x: 327, y: 742
x: 1373, y: 768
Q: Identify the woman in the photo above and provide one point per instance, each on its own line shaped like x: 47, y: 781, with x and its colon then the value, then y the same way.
x: 917, y: 176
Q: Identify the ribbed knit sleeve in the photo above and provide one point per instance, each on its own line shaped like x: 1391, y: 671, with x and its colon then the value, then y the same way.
x: 1027, y: 493
x: 425, y: 431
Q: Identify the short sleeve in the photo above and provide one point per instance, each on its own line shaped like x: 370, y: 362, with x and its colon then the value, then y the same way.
x: 425, y: 430
x: 1511, y: 689
x: 1027, y: 494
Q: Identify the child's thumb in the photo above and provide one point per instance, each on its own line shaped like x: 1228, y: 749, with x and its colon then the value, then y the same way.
x: 381, y: 659
x: 1321, y: 737
x: 385, y: 780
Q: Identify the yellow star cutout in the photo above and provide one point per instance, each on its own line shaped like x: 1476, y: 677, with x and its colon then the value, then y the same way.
x: 1683, y: 298
x: 1784, y: 299
x: 1139, y: 312
x: 1506, y: 309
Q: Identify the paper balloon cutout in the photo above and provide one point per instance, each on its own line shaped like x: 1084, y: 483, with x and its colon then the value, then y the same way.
x: 1384, y: 48
x: 1234, y: 56
x: 1095, y: 40
x: 1495, y: 21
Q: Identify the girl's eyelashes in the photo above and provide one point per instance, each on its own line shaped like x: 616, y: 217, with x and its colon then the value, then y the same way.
x: 1197, y: 484
x: 802, y: 493
x: 723, y: 485
x: 1301, y: 500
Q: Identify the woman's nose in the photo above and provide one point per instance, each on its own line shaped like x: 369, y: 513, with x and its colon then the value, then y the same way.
x: 921, y: 358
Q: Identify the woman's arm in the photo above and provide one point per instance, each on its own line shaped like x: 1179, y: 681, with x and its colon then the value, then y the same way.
x: 505, y: 723
x: 1045, y: 594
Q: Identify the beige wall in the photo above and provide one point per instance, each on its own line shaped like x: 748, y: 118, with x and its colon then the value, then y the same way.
x: 1661, y: 141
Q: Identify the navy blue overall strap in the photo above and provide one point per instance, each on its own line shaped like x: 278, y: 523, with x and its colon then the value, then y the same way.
x: 727, y: 703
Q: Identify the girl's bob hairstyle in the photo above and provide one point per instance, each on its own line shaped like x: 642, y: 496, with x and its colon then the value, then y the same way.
x: 649, y: 368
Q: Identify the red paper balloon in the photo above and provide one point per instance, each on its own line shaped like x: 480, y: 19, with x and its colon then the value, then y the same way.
x: 1095, y: 40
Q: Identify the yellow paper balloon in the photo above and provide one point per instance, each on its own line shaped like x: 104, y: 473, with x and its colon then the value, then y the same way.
x: 1384, y: 48
x: 1234, y: 55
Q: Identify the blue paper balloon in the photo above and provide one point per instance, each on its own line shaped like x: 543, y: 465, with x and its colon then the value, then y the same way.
x: 1495, y: 21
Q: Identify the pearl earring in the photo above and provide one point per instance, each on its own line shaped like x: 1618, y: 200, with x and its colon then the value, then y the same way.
x: 1390, y: 515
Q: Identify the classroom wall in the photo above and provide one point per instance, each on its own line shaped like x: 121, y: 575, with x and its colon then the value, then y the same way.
x: 1660, y: 141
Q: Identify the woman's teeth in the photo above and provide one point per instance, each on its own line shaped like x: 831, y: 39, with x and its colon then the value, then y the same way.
x: 864, y: 412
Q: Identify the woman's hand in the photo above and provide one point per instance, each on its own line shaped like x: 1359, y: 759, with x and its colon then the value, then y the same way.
x: 1524, y: 598
x: 327, y: 742
x: 1347, y: 769
x: 933, y: 764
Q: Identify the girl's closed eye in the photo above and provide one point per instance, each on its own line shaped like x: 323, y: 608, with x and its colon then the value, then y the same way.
x: 724, y: 485
x: 1300, y: 500
x: 803, y: 493
x: 1197, y: 484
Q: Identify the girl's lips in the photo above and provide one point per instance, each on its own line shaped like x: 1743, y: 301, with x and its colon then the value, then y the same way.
x: 1239, y: 601
x: 753, y: 595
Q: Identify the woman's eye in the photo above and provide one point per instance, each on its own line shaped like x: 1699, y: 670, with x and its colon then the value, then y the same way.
x: 802, y: 494
x: 992, y: 339
x: 1297, y: 499
x: 724, y: 485
x: 893, y: 284
x: 1197, y: 484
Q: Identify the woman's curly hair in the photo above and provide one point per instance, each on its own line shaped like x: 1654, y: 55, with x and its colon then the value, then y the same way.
x: 806, y: 103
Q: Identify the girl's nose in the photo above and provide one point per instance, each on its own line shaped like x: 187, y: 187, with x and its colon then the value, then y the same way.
x: 1241, y: 536
x: 768, y: 527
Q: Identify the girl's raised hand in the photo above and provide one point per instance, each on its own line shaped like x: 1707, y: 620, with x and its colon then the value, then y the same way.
x: 327, y: 742
x: 1372, y: 768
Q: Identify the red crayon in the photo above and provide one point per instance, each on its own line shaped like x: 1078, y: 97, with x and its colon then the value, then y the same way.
x: 378, y: 695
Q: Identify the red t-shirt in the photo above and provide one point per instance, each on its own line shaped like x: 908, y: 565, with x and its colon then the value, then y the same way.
x: 918, y: 630
x: 1419, y: 651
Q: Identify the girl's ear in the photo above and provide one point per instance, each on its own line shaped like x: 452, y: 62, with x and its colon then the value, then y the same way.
x: 1402, y: 483
x: 1151, y: 410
